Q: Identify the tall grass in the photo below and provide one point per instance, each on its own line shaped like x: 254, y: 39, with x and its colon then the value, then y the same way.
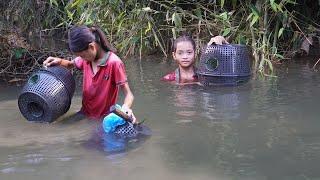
x: 273, y: 29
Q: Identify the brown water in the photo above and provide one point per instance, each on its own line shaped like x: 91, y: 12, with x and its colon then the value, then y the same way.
x: 265, y: 129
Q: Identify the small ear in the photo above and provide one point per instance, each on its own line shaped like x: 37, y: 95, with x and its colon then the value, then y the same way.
x: 91, y: 45
x: 174, y: 55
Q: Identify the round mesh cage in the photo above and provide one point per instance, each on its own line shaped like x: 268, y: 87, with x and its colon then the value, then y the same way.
x: 64, y: 75
x: 227, y: 64
x: 126, y: 130
x: 208, y: 80
x: 47, y: 95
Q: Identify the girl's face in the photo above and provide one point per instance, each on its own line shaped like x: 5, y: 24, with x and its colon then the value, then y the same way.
x: 184, y: 54
x: 89, y: 54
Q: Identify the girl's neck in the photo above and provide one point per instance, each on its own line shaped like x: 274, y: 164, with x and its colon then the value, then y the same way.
x: 186, y: 73
x: 187, y: 70
x: 98, y: 60
x: 99, y: 57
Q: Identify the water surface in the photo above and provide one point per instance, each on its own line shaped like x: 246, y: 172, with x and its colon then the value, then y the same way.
x: 265, y: 129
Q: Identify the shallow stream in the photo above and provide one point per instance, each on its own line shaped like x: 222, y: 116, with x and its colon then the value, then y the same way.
x: 266, y: 129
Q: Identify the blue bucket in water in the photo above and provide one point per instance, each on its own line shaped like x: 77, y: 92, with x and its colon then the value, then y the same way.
x: 119, y: 135
x: 47, y: 94
x: 120, y: 140
x: 124, y: 138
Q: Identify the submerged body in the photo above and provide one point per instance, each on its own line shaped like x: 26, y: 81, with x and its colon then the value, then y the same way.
x: 175, y: 76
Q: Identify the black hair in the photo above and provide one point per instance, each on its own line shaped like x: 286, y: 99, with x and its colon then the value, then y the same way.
x: 79, y: 38
x: 182, y: 39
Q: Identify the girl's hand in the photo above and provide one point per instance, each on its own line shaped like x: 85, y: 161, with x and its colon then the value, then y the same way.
x: 128, y: 111
x: 218, y: 40
x: 51, y: 61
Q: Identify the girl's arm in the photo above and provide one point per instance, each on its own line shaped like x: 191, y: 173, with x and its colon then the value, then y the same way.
x: 51, y: 61
x: 128, y: 100
x: 218, y: 40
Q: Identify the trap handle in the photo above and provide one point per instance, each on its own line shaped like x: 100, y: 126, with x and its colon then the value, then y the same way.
x: 119, y: 112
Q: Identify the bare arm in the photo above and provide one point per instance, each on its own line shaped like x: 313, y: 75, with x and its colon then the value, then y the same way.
x: 218, y: 40
x: 128, y: 100
x: 52, y: 61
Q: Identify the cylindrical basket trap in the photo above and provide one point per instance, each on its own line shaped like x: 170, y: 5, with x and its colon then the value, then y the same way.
x: 47, y: 94
x: 227, y: 64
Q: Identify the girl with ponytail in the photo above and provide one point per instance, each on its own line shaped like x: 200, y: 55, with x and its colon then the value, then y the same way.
x: 103, y: 71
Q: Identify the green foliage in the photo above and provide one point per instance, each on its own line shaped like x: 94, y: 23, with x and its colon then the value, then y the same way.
x: 272, y: 28
x: 18, y: 52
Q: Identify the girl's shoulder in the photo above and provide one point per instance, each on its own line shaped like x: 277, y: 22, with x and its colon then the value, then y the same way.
x: 172, y: 76
x: 113, y: 58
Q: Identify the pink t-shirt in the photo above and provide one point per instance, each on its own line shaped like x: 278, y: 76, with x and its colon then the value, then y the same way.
x: 175, y: 76
x: 100, y: 90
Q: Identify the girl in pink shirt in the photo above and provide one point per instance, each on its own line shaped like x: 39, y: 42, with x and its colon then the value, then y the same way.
x: 183, y: 53
x: 103, y: 71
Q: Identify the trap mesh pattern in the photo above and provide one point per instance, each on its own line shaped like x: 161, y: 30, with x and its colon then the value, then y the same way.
x: 64, y: 76
x: 45, y: 96
x: 227, y: 64
x: 222, y: 80
x: 126, y: 130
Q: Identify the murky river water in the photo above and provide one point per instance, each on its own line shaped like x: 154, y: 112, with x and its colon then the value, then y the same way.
x: 266, y: 129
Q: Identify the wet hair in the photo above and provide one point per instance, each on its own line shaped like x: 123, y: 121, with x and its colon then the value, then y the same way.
x: 183, y: 38
x: 79, y: 38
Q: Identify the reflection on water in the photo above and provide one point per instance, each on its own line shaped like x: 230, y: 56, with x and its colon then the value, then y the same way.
x: 223, y: 106
x: 184, y: 102
x: 267, y: 128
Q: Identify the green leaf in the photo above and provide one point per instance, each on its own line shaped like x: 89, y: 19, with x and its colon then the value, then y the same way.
x: 221, y: 3
x: 279, y: 56
x: 241, y: 39
x: 254, y: 10
x: 62, y: 23
x: 119, y: 28
x: 148, y: 28
x: 76, y: 3
x: 198, y: 13
x: 70, y: 14
x: 176, y: 20
x: 249, y: 17
x: 294, y: 2
x: 18, y: 53
x: 174, y: 34
x: 54, y: 2
x: 280, y: 32
x: 224, y: 16
x: 254, y: 20
x: 134, y: 39
x: 226, y: 32
x: 274, y: 5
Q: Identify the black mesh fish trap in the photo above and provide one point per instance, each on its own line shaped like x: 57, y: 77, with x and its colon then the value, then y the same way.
x: 227, y: 64
x: 47, y: 94
x: 126, y: 130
